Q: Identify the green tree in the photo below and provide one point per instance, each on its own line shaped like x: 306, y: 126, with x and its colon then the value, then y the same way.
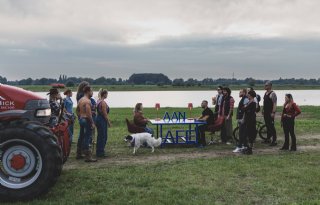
x: 3, y: 80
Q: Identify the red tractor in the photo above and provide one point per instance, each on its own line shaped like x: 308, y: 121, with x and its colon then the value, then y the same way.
x: 31, y: 153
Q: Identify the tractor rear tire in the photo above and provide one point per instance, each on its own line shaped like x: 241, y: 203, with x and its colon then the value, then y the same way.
x: 30, y: 160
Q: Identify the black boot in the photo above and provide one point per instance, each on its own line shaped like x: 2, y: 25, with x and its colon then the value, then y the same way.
x: 272, y: 144
x: 79, y: 154
x: 285, y: 147
x: 247, y: 150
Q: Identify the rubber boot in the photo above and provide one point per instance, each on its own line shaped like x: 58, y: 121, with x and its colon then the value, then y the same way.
x: 79, y: 154
x: 89, y: 158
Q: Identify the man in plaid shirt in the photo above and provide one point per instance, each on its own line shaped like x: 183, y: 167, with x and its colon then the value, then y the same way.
x: 54, y: 96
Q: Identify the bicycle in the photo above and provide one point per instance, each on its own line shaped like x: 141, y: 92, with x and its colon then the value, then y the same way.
x: 260, y: 127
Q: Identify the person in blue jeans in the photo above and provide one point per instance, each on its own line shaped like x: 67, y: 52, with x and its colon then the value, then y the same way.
x: 86, y: 125
x: 79, y: 95
x: 68, y: 106
x: 102, y: 123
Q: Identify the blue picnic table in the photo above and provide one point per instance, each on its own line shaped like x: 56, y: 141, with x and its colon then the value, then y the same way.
x: 178, y: 136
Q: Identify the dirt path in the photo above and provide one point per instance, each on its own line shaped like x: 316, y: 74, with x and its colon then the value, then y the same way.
x: 167, y: 157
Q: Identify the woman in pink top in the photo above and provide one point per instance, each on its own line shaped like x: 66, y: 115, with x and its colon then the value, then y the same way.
x: 289, y: 112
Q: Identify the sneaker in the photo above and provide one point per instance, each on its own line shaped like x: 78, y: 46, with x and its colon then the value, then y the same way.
x: 237, y: 150
x: 273, y: 144
x: 212, y: 142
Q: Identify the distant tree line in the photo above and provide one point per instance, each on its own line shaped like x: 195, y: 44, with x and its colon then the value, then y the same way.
x: 156, y: 79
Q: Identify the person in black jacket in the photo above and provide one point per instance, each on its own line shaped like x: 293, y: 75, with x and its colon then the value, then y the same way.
x: 250, y: 121
x: 240, y: 119
x: 207, y: 115
x: 226, y: 110
x: 269, y: 110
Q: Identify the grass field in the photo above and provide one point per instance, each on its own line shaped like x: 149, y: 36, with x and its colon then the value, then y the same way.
x: 40, y: 88
x: 207, y: 176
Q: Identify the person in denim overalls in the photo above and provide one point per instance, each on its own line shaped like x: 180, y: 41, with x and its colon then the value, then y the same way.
x: 102, y: 123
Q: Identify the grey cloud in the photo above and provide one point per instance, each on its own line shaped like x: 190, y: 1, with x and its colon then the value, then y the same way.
x: 181, y: 38
x: 144, y: 21
x: 190, y: 57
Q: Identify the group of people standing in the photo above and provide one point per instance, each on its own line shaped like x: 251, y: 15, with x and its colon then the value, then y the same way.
x: 224, y: 104
x: 246, y: 117
x: 92, y: 115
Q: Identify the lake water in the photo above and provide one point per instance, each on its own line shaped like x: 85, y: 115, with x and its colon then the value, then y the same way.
x: 182, y: 98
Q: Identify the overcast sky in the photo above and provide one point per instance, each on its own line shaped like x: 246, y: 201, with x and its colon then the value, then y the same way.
x: 264, y: 39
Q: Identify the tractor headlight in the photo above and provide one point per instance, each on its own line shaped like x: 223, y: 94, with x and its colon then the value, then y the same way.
x: 43, y: 113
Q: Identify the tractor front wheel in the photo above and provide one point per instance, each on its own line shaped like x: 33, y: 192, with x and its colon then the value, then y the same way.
x: 30, y: 160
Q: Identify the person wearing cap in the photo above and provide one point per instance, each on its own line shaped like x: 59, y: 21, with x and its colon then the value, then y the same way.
x: 55, y: 106
x: 68, y: 106
x: 269, y: 111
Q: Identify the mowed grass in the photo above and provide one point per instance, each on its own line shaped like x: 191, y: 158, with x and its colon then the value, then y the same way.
x: 278, y: 178
x: 271, y: 179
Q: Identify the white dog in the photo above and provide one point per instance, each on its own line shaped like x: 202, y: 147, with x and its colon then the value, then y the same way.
x: 139, y: 139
